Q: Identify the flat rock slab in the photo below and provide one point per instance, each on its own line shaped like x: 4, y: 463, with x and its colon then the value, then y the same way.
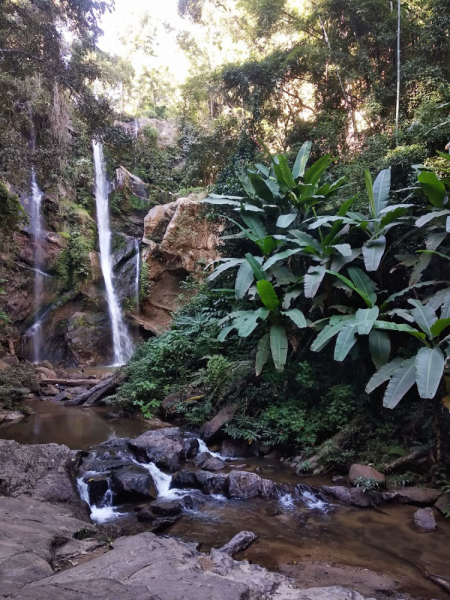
x: 416, y: 495
x: 167, y: 447
x: 146, y: 567
x: 29, y: 532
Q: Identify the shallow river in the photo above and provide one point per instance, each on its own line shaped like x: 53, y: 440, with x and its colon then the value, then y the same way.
x: 305, y: 539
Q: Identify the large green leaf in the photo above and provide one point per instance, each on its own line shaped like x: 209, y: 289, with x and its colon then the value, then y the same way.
x: 301, y: 160
x: 402, y: 380
x: 280, y: 256
x: 256, y: 267
x: 343, y: 249
x: 433, y: 188
x: 363, y: 282
x: 225, y: 331
x: 380, y: 347
x: 429, y: 370
x: 330, y: 331
x: 313, y: 279
x: 245, y: 278
x: 345, y: 342
x: 341, y: 261
x: 247, y: 184
x: 399, y: 327
x: 221, y: 201
x: 405, y: 291
x: 296, y: 316
x: 373, y: 251
x: 255, y: 225
x: 289, y: 296
x: 424, y: 219
x: 286, y: 172
x: 365, y: 318
x: 247, y: 325
x: 315, y: 171
x: 285, y: 220
x: 424, y: 315
x: 262, y: 353
x: 278, y: 346
x: 351, y: 285
x: 445, y: 310
x: 267, y: 294
x: 383, y: 374
x: 228, y: 264
x: 261, y: 187
x: 381, y: 189
x: 369, y: 188
x: 439, y: 326
x: 438, y: 299
x: 305, y: 238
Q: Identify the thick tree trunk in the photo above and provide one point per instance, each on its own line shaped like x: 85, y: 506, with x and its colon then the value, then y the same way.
x: 405, y: 461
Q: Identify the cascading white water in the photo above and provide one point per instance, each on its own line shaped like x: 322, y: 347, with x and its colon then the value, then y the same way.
x: 202, y: 447
x: 138, y: 273
x: 123, y: 346
x: 136, y: 128
x: 36, y: 228
x: 100, y: 514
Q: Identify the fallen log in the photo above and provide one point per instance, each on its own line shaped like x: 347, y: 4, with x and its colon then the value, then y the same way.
x: 405, y: 461
x: 95, y: 394
x: 70, y: 382
x: 238, y: 543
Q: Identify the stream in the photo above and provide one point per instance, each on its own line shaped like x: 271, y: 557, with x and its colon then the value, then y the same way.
x: 310, y: 540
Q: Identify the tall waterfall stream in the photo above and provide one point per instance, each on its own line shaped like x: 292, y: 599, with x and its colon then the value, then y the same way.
x: 123, y: 345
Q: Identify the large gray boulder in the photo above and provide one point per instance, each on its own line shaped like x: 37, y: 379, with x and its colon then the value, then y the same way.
x: 168, y: 448
x: 40, y: 471
x: 424, y: 519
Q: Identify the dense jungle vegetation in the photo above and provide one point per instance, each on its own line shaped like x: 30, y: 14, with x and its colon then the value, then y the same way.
x: 330, y: 309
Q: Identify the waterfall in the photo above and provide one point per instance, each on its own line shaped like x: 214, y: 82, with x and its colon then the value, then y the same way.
x: 36, y: 231
x: 123, y: 346
x: 136, y: 128
x: 138, y: 273
x: 100, y: 514
x: 202, y: 447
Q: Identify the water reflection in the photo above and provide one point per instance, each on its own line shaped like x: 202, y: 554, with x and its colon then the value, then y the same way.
x: 76, y: 427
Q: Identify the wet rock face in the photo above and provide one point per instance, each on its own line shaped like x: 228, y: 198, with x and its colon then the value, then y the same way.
x: 131, y: 483
x: 365, y: 472
x: 167, y: 448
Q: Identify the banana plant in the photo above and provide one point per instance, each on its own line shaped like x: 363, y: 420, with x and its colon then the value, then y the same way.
x: 276, y: 190
x: 381, y: 218
x: 275, y: 340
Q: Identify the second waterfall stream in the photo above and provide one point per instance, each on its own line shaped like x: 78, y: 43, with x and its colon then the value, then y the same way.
x: 123, y: 345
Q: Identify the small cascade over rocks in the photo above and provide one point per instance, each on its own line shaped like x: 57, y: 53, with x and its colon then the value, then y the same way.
x: 122, y: 343
x: 105, y: 511
x: 36, y: 228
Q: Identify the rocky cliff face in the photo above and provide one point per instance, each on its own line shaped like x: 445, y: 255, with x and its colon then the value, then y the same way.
x: 179, y: 242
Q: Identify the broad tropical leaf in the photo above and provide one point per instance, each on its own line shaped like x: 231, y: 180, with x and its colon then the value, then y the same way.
x: 256, y: 267
x: 278, y: 346
x: 345, y: 342
x: 313, y: 279
x: 289, y: 296
x: 301, y: 160
x: 232, y: 262
x: 381, y: 189
x: 365, y: 318
x: 225, y: 331
x: 262, y: 353
x: 402, y: 380
x: 363, y: 282
x: 398, y: 327
x: 373, y: 251
x: 380, y: 347
x: 285, y: 220
x: 296, y: 316
x: 221, y: 201
x: 255, y: 225
x: 344, y: 249
x: 429, y: 370
x: 405, y: 291
x: 340, y: 261
x: 245, y: 278
x: 280, y: 256
x: 424, y: 315
x: 432, y: 187
x: 315, y: 172
x: 439, y: 326
x: 328, y: 332
x: 424, y: 219
x: 351, y: 285
x: 267, y: 294
x: 383, y: 374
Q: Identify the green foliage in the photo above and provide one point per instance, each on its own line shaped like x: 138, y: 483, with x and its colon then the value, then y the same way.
x: 13, y: 215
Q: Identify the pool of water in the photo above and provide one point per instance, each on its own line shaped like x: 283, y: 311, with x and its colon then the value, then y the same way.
x: 77, y: 427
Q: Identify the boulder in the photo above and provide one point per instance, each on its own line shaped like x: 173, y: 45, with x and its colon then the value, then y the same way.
x: 49, y: 373
x: 416, y: 495
x: 424, y: 519
x: 232, y: 449
x: 49, y: 390
x: 11, y: 360
x: 39, y: 471
x: 443, y: 504
x: 267, y: 488
x: 168, y: 448
x: 133, y: 482
x: 339, y: 480
x: 224, y: 416
x: 10, y: 416
x: 106, y: 459
x: 162, y: 508
x: 212, y: 483
x: 208, y: 462
x: 243, y: 485
x: 349, y: 496
x: 4, y: 365
x: 365, y: 472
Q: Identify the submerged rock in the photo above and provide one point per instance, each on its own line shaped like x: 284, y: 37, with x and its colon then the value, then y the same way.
x: 132, y: 482
x: 424, y: 519
x: 416, y: 495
